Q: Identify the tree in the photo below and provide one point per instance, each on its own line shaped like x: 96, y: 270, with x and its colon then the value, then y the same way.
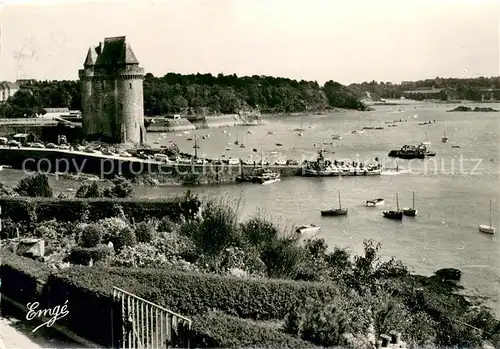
x: 122, y: 188
x: 34, y: 186
x: 88, y: 191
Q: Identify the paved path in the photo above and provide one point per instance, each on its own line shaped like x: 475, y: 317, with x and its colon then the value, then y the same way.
x: 16, y: 334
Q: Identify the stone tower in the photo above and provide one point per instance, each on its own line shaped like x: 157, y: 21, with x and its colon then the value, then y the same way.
x: 112, y: 93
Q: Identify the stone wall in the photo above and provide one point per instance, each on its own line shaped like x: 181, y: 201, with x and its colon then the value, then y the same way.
x: 170, y: 125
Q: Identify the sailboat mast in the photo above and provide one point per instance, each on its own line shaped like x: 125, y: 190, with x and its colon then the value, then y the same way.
x: 491, y: 223
x: 413, y: 200
x: 397, y: 202
x: 302, y: 122
x: 340, y: 204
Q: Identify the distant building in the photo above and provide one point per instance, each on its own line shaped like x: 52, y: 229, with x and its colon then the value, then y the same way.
x: 22, y: 82
x: 7, y: 89
x: 112, y: 93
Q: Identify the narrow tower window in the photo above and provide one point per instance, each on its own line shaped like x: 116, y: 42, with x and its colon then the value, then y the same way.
x: 91, y: 107
x: 121, y: 106
x: 104, y: 106
x: 130, y: 85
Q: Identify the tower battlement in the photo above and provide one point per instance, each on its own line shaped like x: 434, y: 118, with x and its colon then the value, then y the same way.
x: 112, y: 93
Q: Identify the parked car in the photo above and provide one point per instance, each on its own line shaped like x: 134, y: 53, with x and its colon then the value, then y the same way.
x: 106, y: 151
x: 38, y: 145
x: 124, y: 154
x: 51, y: 146
x: 201, y: 161
x: 64, y: 146
x: 13, y: 143
x: 280, y: 163
x: 89, y: 150
x: 292, y: 162
x: 233, y: 161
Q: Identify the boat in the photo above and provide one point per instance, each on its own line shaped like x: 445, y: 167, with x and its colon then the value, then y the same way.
x: 249, y: 132
x: 269, y: 178
x: 196, y: 145
x: 301, y: 128
x: 444, y: 139
x: 300, y: 134
x: 265, y: 176
x: 394, y: 214
x: 426, y: 142
x: 307, y: 229
x: 242, y: 145
x: 189, y: 139
x: 227, y: 149
x: 320, y: 168
x: 279, y: 144
x: 374, y: 202
x: 369, y: 127
x: 335, y: 211
x: 379, y: 128
x: 392, y: 125
x: 271, y: 133
x: 412, y: 152
x: 359, y: 130
x: 411, y: 212
x: 336, y: 137
x: 236, y: 142
x: 488, y: 229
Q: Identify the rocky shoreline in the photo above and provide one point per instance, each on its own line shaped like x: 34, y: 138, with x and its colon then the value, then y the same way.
x: 463, y: 108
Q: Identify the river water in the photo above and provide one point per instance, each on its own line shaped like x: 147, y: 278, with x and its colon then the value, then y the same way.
x: 453, y: 189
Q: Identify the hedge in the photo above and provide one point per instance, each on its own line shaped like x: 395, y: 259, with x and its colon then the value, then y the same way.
x: 90, y: 304
x: 32, y: 210
x: 194, y: 293
x: 218, y: 330
x: 23, y: 279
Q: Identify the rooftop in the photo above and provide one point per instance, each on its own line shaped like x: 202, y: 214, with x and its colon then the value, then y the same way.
x: 114, y: 51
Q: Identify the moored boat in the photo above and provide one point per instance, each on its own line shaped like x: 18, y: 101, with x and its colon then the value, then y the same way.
x: 488, y: 229
x: 374, y: 202
x: 394, y: 214
x: 335, y: 211
x: 411, y: 212
x: 307, y: 229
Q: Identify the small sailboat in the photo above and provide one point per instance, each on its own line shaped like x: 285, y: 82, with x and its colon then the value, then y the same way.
x: 369, y: 127
x: 426, y: 142
x: 488, y: 229
x: 335, y: 211
x: 359, y: 130
x: 307, y: 229
x: 394, y: 214
x: 411, y: 212
x: 300, y: 134
x: 236, y: 142
x: 301, y: 128
x: 444, y: 139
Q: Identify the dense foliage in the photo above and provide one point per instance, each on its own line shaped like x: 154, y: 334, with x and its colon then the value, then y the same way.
x: 253, y: 270
x: 466, y: 89
x: 194, y: 94
x: 34, y: 186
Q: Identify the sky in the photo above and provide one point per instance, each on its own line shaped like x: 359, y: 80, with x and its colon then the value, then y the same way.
x: 343, y: 40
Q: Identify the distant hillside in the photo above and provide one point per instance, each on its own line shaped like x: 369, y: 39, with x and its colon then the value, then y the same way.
x: 473, y: 89
x: 196, y: 94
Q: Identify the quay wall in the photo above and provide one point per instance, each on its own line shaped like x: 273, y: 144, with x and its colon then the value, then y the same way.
x: 56, y: 160
x: 169, y: 125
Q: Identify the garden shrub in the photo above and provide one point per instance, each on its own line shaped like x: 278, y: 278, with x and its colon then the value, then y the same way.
x: 82, y: 255
x: 91, y: 236
x: 218, y: 330
x: 10, y: 229
x: 34, y: 186
x: 125, y: 237
x: 144, y: 232
x: 166, y: 225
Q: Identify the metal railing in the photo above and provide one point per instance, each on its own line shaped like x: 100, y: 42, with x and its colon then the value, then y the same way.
x: 148, y: 325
